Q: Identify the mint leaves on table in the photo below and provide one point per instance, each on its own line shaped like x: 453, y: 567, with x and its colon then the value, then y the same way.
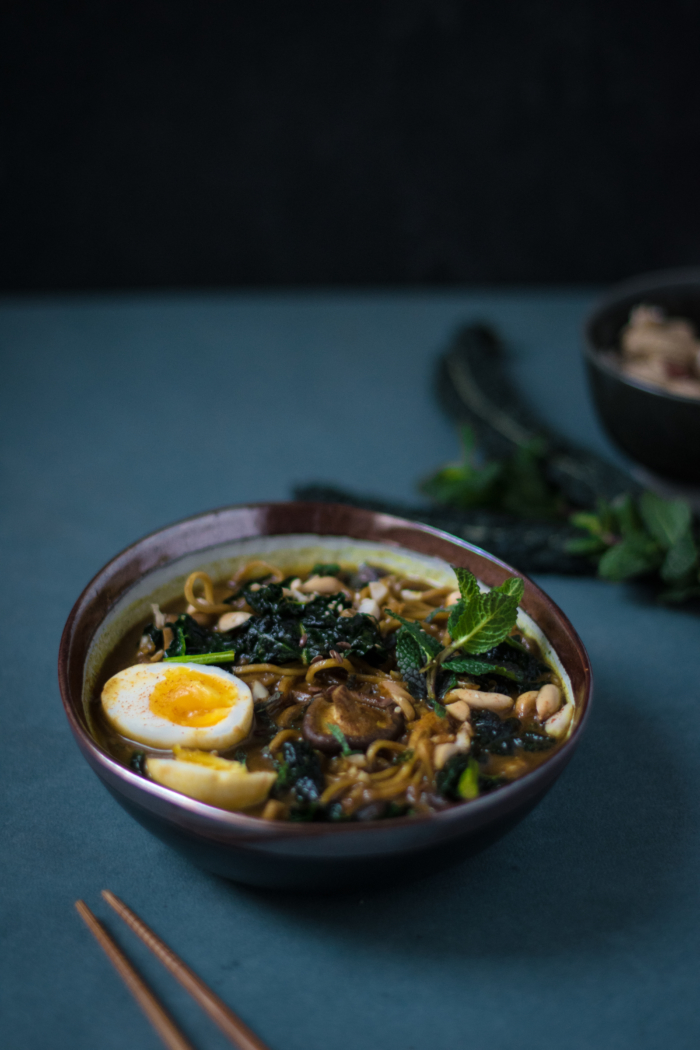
x: 477, y: 624
x: 516, y: 485
x: 631, y: 538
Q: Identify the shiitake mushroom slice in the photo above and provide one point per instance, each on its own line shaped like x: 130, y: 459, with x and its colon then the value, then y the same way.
x: 360, y: 723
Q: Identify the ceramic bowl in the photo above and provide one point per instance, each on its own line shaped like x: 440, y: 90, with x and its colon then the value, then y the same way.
x: 309, y: 856
x: 659, y: 430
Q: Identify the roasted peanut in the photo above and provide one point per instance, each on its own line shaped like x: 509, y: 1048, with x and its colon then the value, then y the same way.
x: 320, y: 585
x: 548, y: 701
x: 475, y: 698
x: 526, y: 703
x: 559, y: 723
x: 229, y: 620
x: 460, y: 710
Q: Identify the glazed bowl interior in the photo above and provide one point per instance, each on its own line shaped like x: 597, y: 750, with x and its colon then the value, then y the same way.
x: 657, y: 429
x: 297, y: 535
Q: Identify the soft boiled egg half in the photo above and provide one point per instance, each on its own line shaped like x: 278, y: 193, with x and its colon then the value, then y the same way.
x: 188, y: 705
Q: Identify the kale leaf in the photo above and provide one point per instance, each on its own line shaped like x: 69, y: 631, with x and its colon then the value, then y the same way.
x: 409, y: 660
x: 507, y: 659
x: 323, y: 569
x: 496, y: 737
x: 190, y: 638
x: 493, y: 736
x: 300, y: 770
x: 286, y: 630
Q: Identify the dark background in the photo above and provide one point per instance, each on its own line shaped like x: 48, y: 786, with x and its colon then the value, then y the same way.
x: 173, y: 143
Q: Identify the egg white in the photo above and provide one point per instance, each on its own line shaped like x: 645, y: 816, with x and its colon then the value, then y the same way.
x: 211, y: 779
x: 126, y: 699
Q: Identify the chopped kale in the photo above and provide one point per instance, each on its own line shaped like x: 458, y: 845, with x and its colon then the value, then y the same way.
x: 508, y: 660
x: 155, y: 634
x: 487, y: 784
x: 493, y: 736
x: 531, y: 741
x: 137, y: 762
x: 300, y: 770
x: 496, y: 737
x: 334, y: 812
x: 190, y: 638
x: 329, y: 569
x: 285, y: 630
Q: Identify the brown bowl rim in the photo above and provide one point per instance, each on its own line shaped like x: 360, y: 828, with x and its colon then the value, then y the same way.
x: 400, y: 529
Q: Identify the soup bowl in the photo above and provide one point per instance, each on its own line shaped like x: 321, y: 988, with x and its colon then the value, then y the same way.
x: 280, y: 854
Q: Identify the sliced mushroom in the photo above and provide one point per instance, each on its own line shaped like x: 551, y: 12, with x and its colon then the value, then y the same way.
x: 360, y: 723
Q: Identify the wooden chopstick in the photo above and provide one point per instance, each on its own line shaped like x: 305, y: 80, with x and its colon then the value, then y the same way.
x: 231, y: 1025
x: 156, y: 1014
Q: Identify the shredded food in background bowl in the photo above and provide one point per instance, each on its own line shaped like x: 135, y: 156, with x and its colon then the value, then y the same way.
x: 661, y: 351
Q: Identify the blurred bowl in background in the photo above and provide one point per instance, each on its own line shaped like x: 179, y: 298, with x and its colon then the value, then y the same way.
x: 657, y: 429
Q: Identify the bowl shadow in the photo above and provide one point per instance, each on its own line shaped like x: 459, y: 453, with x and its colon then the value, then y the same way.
x: 592, y: 862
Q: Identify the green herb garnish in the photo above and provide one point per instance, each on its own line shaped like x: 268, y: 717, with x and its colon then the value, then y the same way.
x: 478, y: 623
x: 323, y: 569
x: 227, y: 657
x: 342, y: 740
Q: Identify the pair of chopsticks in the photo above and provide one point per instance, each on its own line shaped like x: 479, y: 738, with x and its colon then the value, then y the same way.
x: 231, y: 1025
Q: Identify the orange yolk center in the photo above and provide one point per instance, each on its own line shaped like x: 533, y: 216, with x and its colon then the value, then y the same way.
x: 189, y: 698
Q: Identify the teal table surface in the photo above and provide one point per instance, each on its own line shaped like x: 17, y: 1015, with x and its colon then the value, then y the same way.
x: 578, y: 930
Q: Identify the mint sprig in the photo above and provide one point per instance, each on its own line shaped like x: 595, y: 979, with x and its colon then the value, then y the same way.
x: 478, y: 622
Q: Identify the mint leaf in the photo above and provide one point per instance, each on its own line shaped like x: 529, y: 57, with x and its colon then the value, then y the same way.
x: 584, y: 545
x: 410, y: 660
x: 487, y: 620
x: 428, y: 645
x: 473, y: 666
x: 633, y: 556
x: 455, y: 617
x: 408, y: 653
x: 467, y: 582
x: 514, y: 587
x: 680, y: 559
x: 666, y: 519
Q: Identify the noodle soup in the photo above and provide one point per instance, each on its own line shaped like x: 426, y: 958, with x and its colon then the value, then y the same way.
x: 332, y: 692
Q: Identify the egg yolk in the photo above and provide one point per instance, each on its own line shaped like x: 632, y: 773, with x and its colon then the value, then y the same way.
x: 188, y: 698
